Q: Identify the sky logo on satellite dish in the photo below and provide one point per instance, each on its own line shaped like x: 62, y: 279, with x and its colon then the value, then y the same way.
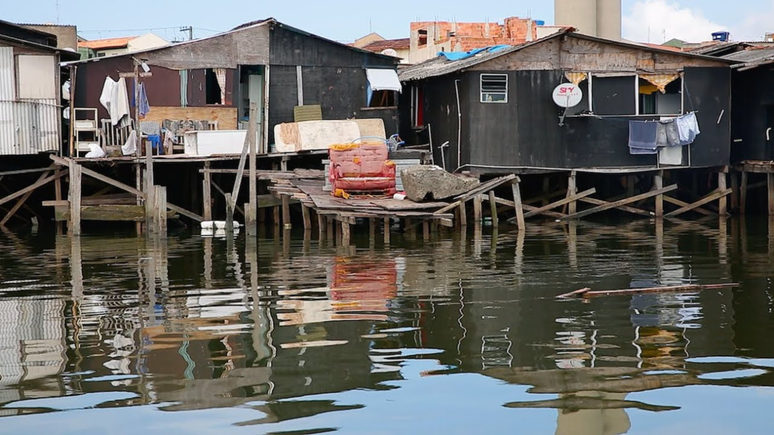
x: 567, y: 95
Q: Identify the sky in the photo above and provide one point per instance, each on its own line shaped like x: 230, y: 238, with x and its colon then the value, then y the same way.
x: 653, y: 21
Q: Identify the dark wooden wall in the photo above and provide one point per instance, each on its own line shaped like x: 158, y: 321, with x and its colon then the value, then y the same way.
x: 525, y: 132
x: 333, y: 76
x: 753, y: 95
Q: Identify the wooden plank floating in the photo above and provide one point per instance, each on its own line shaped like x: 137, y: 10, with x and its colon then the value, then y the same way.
x: 587, y: 293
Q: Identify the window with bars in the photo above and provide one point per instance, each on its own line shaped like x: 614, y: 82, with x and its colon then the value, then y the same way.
x: 494, y: 88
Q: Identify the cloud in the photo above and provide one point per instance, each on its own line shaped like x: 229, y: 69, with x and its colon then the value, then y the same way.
x: 658, y: 21
x: 756, y: 25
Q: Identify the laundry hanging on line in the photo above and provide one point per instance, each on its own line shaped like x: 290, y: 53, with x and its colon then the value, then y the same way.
x: 647, y: 137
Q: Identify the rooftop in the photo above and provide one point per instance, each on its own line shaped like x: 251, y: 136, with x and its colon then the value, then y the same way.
x: 394, y: 44
x: 104, y: 44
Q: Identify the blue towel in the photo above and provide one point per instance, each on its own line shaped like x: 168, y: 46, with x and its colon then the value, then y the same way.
x: 643, y: 137
x: 144, y: 106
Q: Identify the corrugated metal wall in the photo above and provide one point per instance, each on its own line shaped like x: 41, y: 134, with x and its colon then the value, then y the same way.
x: 29, y: 126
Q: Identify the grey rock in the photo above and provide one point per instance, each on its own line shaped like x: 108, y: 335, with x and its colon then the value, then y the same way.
x: 427, y: 182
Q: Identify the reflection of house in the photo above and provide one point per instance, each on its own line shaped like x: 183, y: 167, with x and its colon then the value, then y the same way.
x: 30, y: 95
x: 115, y: 46
x: 497, y: 113
x: 265, y: 62
x: 32, y: 348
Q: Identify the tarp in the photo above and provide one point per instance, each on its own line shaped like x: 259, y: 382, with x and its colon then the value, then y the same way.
x: 383, y: 80
x: 459, y: 55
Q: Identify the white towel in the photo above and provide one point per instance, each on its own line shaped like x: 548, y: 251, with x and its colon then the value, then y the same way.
x: 115, y: 99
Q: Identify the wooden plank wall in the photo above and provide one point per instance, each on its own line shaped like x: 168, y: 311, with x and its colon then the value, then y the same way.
x: 226, y: 116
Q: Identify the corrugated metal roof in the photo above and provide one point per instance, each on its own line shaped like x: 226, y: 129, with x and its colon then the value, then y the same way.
x: 753, y: 55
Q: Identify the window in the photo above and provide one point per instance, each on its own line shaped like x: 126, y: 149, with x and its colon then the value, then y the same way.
x: 494, y: 88
x: 422, y: 37
x: 654, y: 102
x: 383, y: 87
x: 417, y: 107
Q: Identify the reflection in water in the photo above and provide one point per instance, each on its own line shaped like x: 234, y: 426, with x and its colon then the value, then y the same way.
x: 305, y: 335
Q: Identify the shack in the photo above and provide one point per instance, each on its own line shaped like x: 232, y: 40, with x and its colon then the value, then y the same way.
x: 495, y: 113
x: 30, y: 91
x: 271, y: 64
x: 752, y: 127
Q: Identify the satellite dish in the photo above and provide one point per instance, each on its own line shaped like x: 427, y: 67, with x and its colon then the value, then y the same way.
x: 390, y: 52
x: 567, y: 95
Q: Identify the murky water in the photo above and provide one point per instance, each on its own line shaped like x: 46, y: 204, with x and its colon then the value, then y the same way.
x: 115, y: 334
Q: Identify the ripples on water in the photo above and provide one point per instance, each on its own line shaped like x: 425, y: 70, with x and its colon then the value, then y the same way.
x: 198, y: 335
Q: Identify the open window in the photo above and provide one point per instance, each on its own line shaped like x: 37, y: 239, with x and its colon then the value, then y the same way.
x: 383, y: 88
x: 422, y: 37
x: 494, y: 88
x: 215, y: 80
x: 660, y: 94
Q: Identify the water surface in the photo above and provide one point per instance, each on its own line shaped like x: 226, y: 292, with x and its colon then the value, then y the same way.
x: 119, y: 334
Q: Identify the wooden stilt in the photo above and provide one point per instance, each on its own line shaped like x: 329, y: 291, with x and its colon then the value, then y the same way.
x: 371, y: 230
x: 658, y: 184
x: 307, y: 218
x: 723, y: 200
x: 546, y: 189
x: 345, y: 234
x: 517, y: 205
x: 329, y: 227
x: 321, y: 225
x: 74, y: 226
x: 572, y: 190
x: 560, y: 203
x: 160, y: 197
x: 477, y: 212
x: 735, y: 192
x: 463, y: 216
x: 229, y: 214
x: 286, y: 224
x: 276, y: 211
x: 386, y: 229
x: 743, y: 194
x: 409, y: 229
x: 493, y: 209
x: 58, y: 197
x: 770, y: 181
x: 252, y: 208
x: 207, y: 193
x: 426, y: 230
x: 138, y: 187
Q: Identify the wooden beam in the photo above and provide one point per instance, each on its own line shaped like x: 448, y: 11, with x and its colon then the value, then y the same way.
x: 517, y: 205
x: 223, y: 192
x: 32, y: 187
x: 112, y: 213
x: 307, y: 218
x: 22, y: 200
x: 160, y: 208
x: 286, y: 223
x: 770, y: 181
x: 679, y: 203
x: 477, y: 212
x: 560, y: 203
x: 632, y: 210
x: 670, y: 289
x: 706, y: 200
x: 626, y: 201
x: 553, y: 214
x: 482, y: 188
x: 124, y: 187
x: 387, y: 223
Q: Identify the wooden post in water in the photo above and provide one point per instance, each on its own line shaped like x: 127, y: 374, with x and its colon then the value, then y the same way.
x: 770, y: 186
x: 477, y: 212
x: 723, y: 201
x: 321, y: 225
x: 286, y: 223
x: 463, y: 216
x: 346, y: 235
x: 160, y: 197
x: 252, y: 208
x: 207, y: 193
x: 517, y: 204
x: 74, y: 197
x: 743, y: 193
x: 371, y: 230
x: 138, y: 186
x: 58, y: 197
x: 658, y: 184
x: 229, y: 215
x: 386, y: 228
x: 572, y: 190
x: 493, y: 209
x: 307, y: 218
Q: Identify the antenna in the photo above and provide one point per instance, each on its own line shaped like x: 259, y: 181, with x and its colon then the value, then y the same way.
x: 57, y: 11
